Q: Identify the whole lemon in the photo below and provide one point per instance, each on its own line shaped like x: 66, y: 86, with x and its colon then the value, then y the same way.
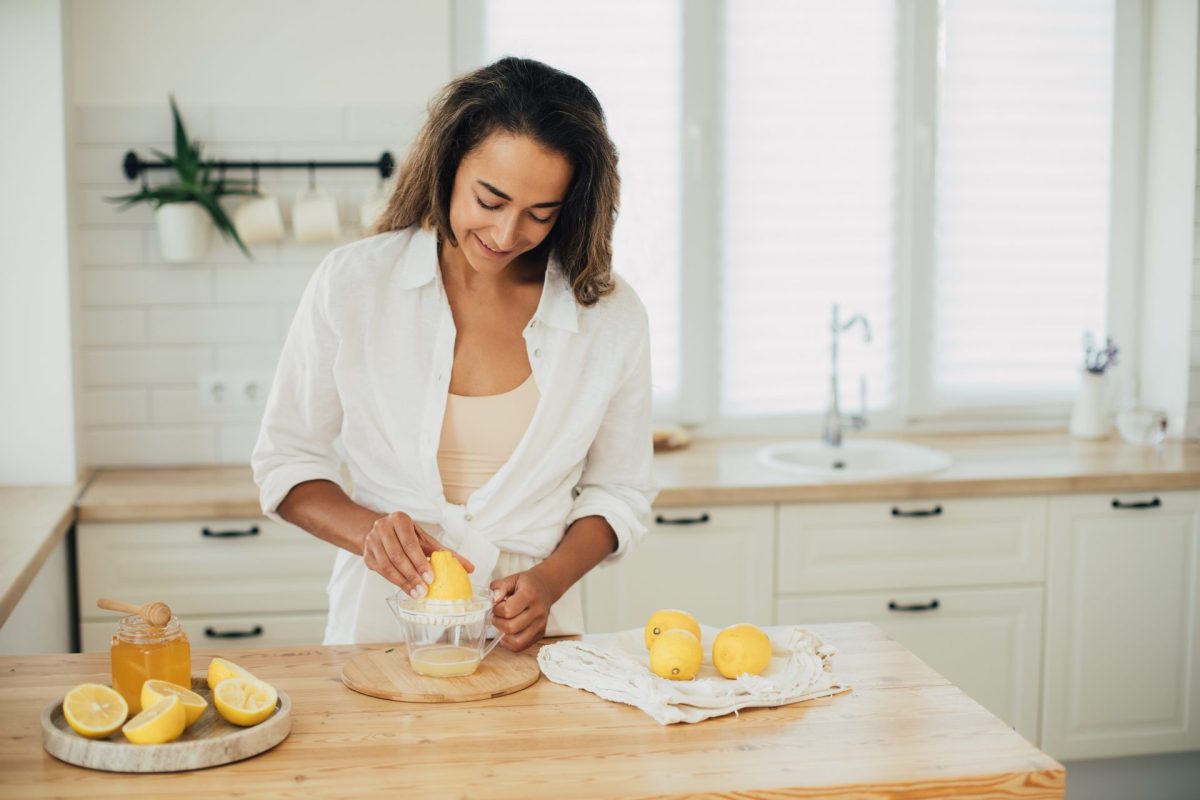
x: 741, y: 648
x: 450, y: 581
x: 666, y: 620
x: 676, y: 654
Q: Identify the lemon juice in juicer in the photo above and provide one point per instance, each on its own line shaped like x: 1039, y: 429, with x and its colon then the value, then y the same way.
x: 446, y: 632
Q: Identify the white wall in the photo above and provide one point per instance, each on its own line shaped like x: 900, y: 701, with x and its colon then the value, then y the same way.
x: 37, y: 409
x: 267, y: 80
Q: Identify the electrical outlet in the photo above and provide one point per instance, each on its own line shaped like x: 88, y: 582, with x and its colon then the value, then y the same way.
x: 236, y: 389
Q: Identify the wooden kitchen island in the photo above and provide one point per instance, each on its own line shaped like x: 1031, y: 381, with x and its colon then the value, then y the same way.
x: 903, y: 732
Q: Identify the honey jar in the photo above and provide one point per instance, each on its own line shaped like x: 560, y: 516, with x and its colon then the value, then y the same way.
x: 140, y: 651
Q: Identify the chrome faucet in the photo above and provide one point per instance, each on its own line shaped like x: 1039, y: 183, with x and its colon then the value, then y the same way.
x: 835, y: 421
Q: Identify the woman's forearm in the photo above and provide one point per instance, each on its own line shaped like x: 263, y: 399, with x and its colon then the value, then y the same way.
x: 324, y: 510
x: 586, y: 543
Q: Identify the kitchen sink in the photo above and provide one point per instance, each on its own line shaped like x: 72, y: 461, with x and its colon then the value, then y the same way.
x: 855, y: 459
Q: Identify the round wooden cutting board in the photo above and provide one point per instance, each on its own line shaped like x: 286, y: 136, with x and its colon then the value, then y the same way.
x: 387, y: 674
x: 208, y: 742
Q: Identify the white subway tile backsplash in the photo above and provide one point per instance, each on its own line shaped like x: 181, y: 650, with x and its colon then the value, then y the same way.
x: 109, y: 245
x: 236, y: 285
x: 182, y: 405
x: 214, y: 325
x: 112, y: 326
x: 248, y: 358
x: 147, y: 285
x: 280, y: 124
x: 145, y: 366
x: 115, y: 406
x: 114, y: 447
x: 131, y: 126
x: 397, y: 125
x: 148, y: 329
x: 235, y: 443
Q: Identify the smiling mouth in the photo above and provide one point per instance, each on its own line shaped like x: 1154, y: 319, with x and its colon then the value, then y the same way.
x: 491, y: 250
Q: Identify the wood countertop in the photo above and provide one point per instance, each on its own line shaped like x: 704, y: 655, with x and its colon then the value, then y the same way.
x: 33, y: 520
x: 728, y: 472
x: 903, y: 732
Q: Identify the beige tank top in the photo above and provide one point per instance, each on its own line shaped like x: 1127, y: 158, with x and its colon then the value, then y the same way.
x: 479, y: 434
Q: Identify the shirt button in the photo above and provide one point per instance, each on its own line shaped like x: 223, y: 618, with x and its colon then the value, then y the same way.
x: 467, y: 517
x: 533, y: 324
x: 537, y: 353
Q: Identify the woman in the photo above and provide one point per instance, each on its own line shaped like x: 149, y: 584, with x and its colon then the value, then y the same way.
x: 477, y: 368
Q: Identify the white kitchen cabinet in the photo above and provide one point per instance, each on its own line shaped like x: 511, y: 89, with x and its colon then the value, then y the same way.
x: 227, y: 576
x: 985, y: 641
x: 715, y: 563
x: 839, y: 547
x: 1123, y: 625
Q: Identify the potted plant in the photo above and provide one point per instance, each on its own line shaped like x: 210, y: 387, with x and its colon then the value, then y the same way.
x: 186, y: 209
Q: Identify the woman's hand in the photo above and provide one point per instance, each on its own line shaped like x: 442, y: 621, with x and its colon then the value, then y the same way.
x: 521, y: 608
x: 399, y: 550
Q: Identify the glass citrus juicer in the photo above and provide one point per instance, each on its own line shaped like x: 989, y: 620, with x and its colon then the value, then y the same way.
x: 445, y: 638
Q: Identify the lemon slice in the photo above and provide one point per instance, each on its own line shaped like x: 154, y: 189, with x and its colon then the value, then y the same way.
x: 244, y: 701
x: 219, y: 669
x: 163, y: 722
x: 94, y: 711
x: 154, y: 690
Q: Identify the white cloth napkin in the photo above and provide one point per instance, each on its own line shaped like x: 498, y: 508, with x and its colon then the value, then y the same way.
x: 617, y: 667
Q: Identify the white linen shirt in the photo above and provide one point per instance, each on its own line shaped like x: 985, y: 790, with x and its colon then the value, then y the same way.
x: 363, y: 380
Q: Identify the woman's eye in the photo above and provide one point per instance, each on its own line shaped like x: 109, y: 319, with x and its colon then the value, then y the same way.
x: 543, y: 220
x: 485, y: 205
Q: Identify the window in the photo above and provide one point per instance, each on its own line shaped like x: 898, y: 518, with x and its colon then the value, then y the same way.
x: 941, y: 166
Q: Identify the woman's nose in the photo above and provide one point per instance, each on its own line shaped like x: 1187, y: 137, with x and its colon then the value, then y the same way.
x: 506, y: 231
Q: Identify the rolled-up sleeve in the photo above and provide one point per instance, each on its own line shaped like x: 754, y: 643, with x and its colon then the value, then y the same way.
x: 617, y: 482
x: 303, y: 415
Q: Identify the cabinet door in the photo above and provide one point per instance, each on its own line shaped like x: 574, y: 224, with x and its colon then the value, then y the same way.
x: 1122, y: 650
x: 985, y: 641
x: 715, y: 563
x: 227, y: 566
x: 848, y: 547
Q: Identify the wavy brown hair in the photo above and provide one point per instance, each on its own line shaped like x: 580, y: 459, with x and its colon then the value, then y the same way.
x: 527, y: 98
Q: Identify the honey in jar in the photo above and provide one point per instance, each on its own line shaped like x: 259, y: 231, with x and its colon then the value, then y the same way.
x: 141, y: 651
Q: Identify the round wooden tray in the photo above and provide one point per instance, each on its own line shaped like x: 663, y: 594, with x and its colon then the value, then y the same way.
x: 209, y: 741
x: 386, y: 674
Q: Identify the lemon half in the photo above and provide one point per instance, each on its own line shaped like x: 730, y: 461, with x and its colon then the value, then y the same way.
x: 244, y: 701
x: 154, y: 690
x: 450, y: 581
x: 219, y: 669
x: 94, y: 711
x: 163, y: 722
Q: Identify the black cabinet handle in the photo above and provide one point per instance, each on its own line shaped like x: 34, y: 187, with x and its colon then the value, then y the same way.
x: 700, y: 520
x: 1155, y: 503
x: 930, y: 606
x: 213, y: 633
x: 209, y: 532
x: 936, y: 511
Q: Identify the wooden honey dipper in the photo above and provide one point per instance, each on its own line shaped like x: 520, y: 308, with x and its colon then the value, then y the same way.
x: 156, y: 613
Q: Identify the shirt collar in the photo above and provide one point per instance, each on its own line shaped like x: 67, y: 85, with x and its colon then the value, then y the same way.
x: 557, y: 308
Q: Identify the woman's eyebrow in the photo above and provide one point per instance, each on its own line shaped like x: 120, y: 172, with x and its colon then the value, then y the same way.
x: 499, y: 193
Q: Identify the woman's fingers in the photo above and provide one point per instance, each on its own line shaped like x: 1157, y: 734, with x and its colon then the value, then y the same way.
x: 410, y: 544
x: 388, y: 550
x: 429, y: 545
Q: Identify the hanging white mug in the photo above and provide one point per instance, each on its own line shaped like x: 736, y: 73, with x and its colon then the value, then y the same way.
x: 315, y: 217
x: 258, y: 220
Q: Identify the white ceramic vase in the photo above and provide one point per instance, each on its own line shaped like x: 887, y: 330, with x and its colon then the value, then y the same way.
x: 1091, y: 418
x: 183, y: 231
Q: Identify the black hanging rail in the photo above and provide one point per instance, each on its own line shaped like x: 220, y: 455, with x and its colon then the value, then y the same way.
x: 135, y: 166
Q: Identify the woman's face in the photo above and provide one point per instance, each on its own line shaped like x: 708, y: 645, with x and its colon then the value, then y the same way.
x: 506, y: 199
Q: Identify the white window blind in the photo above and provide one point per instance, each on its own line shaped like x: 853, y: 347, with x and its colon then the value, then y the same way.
x: 810, y: 201
x: 1021, y: 197
x: 629, y: 52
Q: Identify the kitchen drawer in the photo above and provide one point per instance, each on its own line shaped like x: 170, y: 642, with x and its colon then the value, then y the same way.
x: 894, y: 545
x: 276, y: 568
x: 204, y: 633
x: 985, y: 641
x: 714, y: 562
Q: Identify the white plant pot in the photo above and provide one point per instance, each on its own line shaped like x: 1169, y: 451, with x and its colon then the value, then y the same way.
x: 1091, y: 418
x: 184, y: 230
